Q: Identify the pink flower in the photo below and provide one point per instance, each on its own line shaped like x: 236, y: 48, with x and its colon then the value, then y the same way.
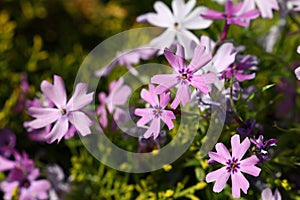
x: 233, y: 14
x: 293, y: 5
x: 267, y: 194
x: 234, y: 166
x: 64, y: 112
x: 265, y: 7
x: 297, y: 70
x: 28, y: 188
x: 155, y: 113
x: 185, y: 75
x: 118, y: 95
x: 177, y: 23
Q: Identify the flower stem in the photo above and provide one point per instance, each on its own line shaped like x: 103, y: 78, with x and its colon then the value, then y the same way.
x: 225, y: 31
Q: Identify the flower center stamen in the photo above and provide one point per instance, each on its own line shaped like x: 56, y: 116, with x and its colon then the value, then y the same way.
x: 232, y: 165
x: 63, y: 111
x: 157, y: 111
x: 25, y: 184
x: 176, y: 25
x: 184, y: 76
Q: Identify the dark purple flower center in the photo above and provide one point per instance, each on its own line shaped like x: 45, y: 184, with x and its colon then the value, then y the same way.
x: 25, y: 183
x: 157, y: 111
x: 64, y: 111
x: 232, y: 165
x: 186, y: 75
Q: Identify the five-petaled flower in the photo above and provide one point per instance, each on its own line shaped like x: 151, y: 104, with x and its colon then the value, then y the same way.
x: 185, y: 75
x: 234, y: 166
x: 64, y: 112
x: 155, y: 113
x: 233, y: 14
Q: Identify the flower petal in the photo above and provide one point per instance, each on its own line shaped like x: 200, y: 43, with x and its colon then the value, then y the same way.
x: 39, y: 188
x: 44, y: 118
x: 81, y: 122
x: 154, y: 129
x: 167, y: 117
x: 6, y: 164
x: 164, y: 40
x: 182, y: 95
x: 177, y: 62
x: 150, y: 97
x: 163, y: 17
x: 239, y: 149
x: 238, y: 182
x: 224, y: 57
x: 266, y: 194
x: 220, y: 176
x: 166, y: 81
x: 145, y: 113
x: 200, y: 58
x: 194, y: 20
x: 56, y: 92
x: 297, y: 72
x: 80, y: 99
x: 59, y: 130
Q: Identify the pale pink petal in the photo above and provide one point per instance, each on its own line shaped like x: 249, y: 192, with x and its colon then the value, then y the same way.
x: 208, y: 43
x: 180, y: 53
x: 6, y: 164
x: 266, y: 7
x: 165, y: 98
x: 182, y: 95
x: 8, y: 188
x: 177, y: 7
x: 200, y: 58
x: 297, y: 72
x: 59, y: 130
x: 201, y: 82
x: 153, y: 129
x: 267, y: 194
x: 220, y: 176
x: 277, y: 195
x: 164, y: 40
x: 217, y: 157
x: 56, y: 92
x: 145, y: 113
x: 142, y: 18
x: 176, y: 61
x: 239, y: 149
x: 80, y: 99
x: 224, y: 57
x: 40, y: 187
x: 223, y: 152
x: 194, y: 20
x: 166, y: 81
x: 150, y: 97
x: 44, y: 120
x: 239, y: 182
x: 42, y: 112
x: 189, y: 42
x: 298, y: 49
x: 248, y: 166
x: 81, y: 122
x: 167, y: 117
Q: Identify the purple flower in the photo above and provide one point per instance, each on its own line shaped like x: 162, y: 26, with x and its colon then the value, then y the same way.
x: 267, y: 194
x: 265, y: 6
x: 28, y: 188
x: 238, y: 70
x: 127, y: 59
x: 262, y: 147
x: 7, y: 142
x: 24, y: 89
x: 177, y: 24
x: 64, y: 112
x: 297, y: 70
x: 118, y: 95
x: 233, y: 14
x: 185, y: 75
x: 155, y: 113
x: 247, y: 127
x: 234, y: 166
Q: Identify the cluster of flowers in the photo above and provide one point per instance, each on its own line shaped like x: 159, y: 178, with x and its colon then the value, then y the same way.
x: 23, y: 177
x: 55, y: 117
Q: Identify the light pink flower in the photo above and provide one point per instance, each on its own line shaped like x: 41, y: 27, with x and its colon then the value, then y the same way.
x: 293, y: 5
x: 118, y: 95
x: 28, y: 188
x: 64, y: 112
x: 234, y: 166
x: 265, y: 6
x: 267, y: 194
x: 185, y: 75
x: 155, y: 113
x: 297, y: 70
